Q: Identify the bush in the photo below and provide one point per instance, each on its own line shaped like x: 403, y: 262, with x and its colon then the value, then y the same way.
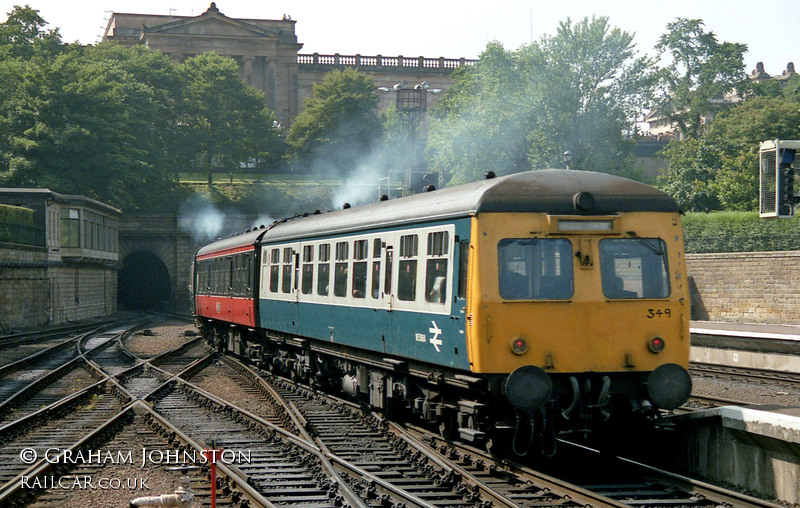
x: 739, y: 232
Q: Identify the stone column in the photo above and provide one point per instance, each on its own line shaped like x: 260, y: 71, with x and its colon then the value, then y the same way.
x: 248, y: 70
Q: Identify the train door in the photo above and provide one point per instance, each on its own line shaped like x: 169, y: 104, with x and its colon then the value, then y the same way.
x: 388, y: 296
x: 458, y: 313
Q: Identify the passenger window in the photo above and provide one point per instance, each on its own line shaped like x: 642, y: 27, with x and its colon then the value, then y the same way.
x: 634, y: 268
x: 360, y: 254
x: 308, y: 269
x: 323, y: 269
x: 376, y: 279
x: 274, y: 270
x: 436, y: 268
x: 340, y: 274
x: 407, y: 277
x: 387, y: 279
x: 535, y: 269
x: 286, y: 282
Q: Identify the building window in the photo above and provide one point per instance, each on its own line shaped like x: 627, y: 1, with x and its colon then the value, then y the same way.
x: 70, y: 227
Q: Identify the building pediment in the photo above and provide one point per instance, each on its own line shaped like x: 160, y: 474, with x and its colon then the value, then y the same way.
x: 211, y: 23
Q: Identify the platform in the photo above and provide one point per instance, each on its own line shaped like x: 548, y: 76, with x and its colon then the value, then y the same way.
x: 755, y: 447
x: 771, y: 347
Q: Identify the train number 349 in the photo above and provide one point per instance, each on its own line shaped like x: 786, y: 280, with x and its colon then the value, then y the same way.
x: 658, y: 313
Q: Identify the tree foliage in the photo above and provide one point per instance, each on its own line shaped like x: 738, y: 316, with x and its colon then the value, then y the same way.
x: 117, y: 123
x: 222, y: 120
x: 578, y: 90
x: 719, y: 169
x: 340, y: 123
x: 701, y: 73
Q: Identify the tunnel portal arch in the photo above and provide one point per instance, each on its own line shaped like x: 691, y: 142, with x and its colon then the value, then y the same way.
x: 144, y: 283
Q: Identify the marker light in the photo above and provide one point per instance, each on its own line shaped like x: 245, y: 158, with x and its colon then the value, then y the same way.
x: 656, y: 344
x: 519, y: 345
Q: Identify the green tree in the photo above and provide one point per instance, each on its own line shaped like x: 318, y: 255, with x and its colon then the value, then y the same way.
x: 701, y: 73
x: 23, y: 36
x: 578, y: 90
x: 222, y: 121
x: 339, y: 125
x: 93, y: 129
x: 723, y: 162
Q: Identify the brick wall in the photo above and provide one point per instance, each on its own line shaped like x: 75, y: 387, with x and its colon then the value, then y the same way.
x: 751, y: 287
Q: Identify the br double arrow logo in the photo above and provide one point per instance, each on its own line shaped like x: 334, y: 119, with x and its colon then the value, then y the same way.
x: 435, y: 340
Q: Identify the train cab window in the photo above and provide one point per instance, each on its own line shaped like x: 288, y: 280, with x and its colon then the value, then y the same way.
x: 323, y: 269
x: 535, y: 269
x: 634, y: 268
x: 407, y: 276
x: 436, y: 267
x: 340, y: 269
x: 360, y: 255
x: 286, y: 281
x: 308, y: 269
x: 274, y: 270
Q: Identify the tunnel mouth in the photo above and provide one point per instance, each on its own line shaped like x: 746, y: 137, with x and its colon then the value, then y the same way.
x: 143, y: 283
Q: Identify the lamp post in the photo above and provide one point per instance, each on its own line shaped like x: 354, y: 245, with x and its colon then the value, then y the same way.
x: 411, y: 103
x: 567, y: 159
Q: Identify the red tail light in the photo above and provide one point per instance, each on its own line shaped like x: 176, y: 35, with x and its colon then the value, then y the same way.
x: 519, y: 345
x: 656, y: 344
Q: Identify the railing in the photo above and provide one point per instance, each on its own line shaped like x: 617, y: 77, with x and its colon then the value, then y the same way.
x: 380, y: 62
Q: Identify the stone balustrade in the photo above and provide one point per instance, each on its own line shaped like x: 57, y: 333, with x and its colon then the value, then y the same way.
x: 380, y: 63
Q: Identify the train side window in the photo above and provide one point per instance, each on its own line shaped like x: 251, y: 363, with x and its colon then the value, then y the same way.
x: 323, y: 269
x: 248, y: 282
x: 274, y: 270
x: 376, y: 248
x: 463, y: 266
x: 360, y: 254
x: 376, y: 279
x: 387, y: 279
x: 308, y: 269
x: 407, y: 276
x: 436, y: 267
x: 340, y: 274
x: 286, y: 282
x: 230, y: 274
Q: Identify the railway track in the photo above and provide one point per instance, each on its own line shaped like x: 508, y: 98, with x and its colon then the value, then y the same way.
x: 302, y: 448
x: 480, y: 479
x: 748, y: 374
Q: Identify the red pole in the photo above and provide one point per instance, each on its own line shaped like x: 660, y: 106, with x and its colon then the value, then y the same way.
x: 214, y: 483
x: 213, y: 460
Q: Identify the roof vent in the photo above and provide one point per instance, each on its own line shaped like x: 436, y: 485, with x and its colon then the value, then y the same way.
x: 429, y: 188
x: 383, y: 197
x: 489, y: 175
x: 346, y: 206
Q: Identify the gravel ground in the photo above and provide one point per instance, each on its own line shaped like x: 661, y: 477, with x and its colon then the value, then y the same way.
x: 117, y: 481
x: 160, y: 338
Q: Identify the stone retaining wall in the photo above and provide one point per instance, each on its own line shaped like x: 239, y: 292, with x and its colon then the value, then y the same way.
x: 745, y: 287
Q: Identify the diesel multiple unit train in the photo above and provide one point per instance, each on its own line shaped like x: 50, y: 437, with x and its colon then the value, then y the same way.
x: 506, y: 310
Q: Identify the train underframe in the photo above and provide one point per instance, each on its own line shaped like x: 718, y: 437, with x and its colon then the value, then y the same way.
x: 473, y: 408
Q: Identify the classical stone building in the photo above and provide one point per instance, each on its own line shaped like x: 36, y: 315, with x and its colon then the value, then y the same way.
x: 268, y: 55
